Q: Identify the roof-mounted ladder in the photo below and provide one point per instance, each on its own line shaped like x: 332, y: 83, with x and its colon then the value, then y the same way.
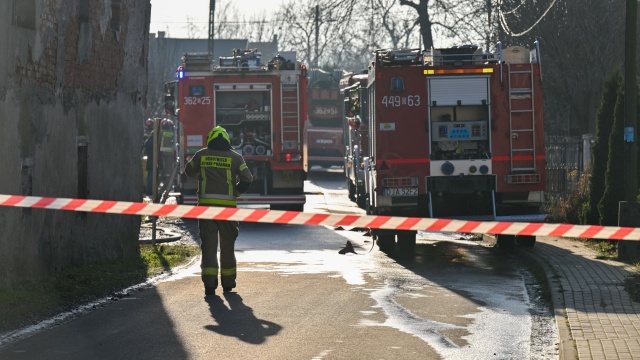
x: 290, y: 105
x: 522, y: 142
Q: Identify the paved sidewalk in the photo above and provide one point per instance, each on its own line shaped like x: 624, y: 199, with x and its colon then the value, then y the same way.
x: 596, y: 317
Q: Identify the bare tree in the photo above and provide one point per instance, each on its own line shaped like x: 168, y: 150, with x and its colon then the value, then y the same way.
x: 581, y: 43
x: 424, y: 19
x: 450, y: 22
x: 194, y: 31
x: 299, y: 22
x: 399, y: 25
x: 226, y: 20
x: 348, y: 30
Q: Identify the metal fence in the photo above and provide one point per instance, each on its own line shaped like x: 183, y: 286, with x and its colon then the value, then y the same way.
x: 566, y: 163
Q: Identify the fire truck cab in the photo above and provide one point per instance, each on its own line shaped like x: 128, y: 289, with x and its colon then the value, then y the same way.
x: 262, y: 106
x: 455, y: 133
x: 353, y: 88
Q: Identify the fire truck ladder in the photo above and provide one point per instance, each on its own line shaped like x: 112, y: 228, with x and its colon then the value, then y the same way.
x: 522, y: 142
x: 290, y: 106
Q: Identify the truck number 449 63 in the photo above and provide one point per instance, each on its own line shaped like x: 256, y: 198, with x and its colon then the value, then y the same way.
x: 397, y: 100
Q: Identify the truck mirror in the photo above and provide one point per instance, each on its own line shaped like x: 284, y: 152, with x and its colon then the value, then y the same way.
x: 170, y: 104
x: 169, y: 98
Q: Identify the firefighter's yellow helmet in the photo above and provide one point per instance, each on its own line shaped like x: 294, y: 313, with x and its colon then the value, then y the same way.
x: 217, y: 131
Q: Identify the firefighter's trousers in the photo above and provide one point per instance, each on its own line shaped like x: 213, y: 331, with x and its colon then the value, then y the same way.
x: 226, y: 232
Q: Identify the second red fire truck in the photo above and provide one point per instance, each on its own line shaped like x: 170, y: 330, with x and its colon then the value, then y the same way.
x: 455, y: 133
x: 353, y: 88
x: 323, y: 143
x: 262, y: 105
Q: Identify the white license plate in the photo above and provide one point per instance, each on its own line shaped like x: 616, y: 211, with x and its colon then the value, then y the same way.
x: 400, y: 191
x: 324, y: 141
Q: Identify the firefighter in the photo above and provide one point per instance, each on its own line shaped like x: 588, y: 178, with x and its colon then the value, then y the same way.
x: 148, y: 128
x: 166, y: 147
x: 222, y: 176
x: 148, y: 151
x: 147, y: 177
x: 355, y: 108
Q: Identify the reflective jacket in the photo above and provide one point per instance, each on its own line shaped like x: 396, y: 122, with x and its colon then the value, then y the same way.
x: 166, y: 144
x: 219, y: 172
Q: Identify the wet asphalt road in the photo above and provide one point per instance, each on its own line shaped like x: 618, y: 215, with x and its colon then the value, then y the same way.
x: 297, y: 298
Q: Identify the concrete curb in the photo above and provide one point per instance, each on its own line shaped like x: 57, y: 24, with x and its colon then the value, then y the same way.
x: 166, y: 231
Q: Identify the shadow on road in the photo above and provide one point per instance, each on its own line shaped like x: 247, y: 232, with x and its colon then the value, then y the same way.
x: 238, y: 320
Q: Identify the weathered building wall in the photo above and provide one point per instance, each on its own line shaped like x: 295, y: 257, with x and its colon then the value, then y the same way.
x: 73, y: 82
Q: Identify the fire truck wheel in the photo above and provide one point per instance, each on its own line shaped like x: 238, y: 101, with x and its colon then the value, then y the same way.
x: 505, y: 242
x: 407, y: 242
x: 386, y: 242
x: 526, y: 240
x: 361, y: 200
x: 352, y: 190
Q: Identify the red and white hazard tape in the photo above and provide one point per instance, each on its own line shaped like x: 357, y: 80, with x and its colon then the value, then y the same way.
x: 303, y: 218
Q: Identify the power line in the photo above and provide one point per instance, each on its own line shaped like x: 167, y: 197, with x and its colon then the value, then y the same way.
x: 505, y: 26
x: 514, y: 9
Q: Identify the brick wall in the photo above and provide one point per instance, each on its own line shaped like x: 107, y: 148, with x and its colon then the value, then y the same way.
x: 73, y: 84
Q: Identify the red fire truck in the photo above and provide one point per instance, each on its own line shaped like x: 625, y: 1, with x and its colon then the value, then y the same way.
x: 353, y: 88
x: 261, y: 105
x: 323, y: 143
x: 456, y: 133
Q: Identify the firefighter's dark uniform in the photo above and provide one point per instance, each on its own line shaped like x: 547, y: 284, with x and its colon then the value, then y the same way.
x: 222, y: 175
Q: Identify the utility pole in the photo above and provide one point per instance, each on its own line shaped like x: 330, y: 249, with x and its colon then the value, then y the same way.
x: 317, y: 33
x: 630, y: 101
x: 212, y: 10
x: 371, y: 31
x: 488, y: 37
x: 629, y: 209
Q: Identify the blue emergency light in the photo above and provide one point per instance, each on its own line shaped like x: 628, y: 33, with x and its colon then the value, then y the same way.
x: 180, y: 73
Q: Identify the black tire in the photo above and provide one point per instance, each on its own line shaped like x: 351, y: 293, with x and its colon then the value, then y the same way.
x: 352, y: 190
x: 361, y: 197
x: 526, y: 240
x: 407, y: 242
x: 386, y: 242
x: 361, y: 201
x: 505, y: 242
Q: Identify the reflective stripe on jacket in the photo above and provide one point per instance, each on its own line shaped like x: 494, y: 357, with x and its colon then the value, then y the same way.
x: 218, y: 171
x: 167, y: 141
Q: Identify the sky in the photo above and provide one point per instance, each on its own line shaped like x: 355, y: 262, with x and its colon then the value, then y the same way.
x: 171, y: 15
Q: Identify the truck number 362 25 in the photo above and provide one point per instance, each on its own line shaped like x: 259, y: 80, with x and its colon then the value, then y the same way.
x: 397, y: 100
x: 197, y: 100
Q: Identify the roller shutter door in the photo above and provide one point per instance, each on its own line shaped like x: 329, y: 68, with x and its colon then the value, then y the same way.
x: 453, y: 91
